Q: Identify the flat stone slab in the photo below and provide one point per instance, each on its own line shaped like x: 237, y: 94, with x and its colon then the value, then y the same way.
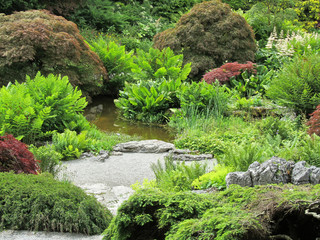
x: 145, y: 146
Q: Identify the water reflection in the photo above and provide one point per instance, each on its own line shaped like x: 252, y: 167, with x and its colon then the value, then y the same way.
x: 110, y: 121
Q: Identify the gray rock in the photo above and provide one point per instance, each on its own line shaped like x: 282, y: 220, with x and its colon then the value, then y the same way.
x: 190, y: 157
x: 274, y: 171
x: 314, y: 175
x: 103, y: 155
x: 300, y: 173
x: 145, y: 146
x: 241, y: 178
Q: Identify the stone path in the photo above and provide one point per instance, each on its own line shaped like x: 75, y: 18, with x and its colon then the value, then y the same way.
x: 107, y: 177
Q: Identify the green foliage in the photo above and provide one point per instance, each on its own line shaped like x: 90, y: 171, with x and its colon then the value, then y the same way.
x: 265, y: 16
x: 209, y: 35
x: 100, y: 14
x: 49, y: 159
x: 70, y: 144
x: 34, y: 110
x: 240, y: 156
x: 35, y: 41
x: 215, y: 178
x: 149, y: 213
x: 116, y: 60
x: 309, y: 13
x: 159, y: 65
x: 148, y: 100
x: 231, y: 214
x: 309, y: 150
x: 40, y: 203
x: 297, y: 84
x: 204, y: 97
x: 176, y: 176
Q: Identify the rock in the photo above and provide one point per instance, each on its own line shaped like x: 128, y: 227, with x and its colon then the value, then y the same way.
x: 114, y: 153
x: 314, y: 175
x: 103, y: 155
x: 241, y: 178
x: 145, y: 146
x: 300, y: 173
x: 274, y: 171
x: 190, y: 157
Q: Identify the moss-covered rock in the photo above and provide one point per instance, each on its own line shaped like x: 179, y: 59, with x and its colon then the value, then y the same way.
x: 209, y: 35
x: 36, y: 40
x: 261, y: 212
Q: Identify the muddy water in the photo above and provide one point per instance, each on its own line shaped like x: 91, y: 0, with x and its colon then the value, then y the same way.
x: 110, y: 121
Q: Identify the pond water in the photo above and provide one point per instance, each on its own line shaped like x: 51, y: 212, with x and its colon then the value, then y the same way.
x: 110, y: 121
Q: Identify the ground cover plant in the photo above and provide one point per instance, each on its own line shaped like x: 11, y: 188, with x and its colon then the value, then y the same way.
x: 40, y: 203
x: 231, y: 214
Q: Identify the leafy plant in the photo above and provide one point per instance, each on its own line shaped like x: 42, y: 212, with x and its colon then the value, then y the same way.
x: 308, y: 12
x: 40, y: 203
x: 34, y: 110
x: 314, y: 123
x: 204, y: 97
x: 48, y: 159
x: 15, y: 156
x: 208, y: 36
x: 176, y: 176
x: 297, y: 84
x: 215, y: 178
x: 70, y: 144
x: 116, y: 60
x: 159, y: 65
x: 148, y: 100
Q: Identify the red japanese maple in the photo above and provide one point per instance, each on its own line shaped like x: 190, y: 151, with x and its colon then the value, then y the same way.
x: 15, y: 156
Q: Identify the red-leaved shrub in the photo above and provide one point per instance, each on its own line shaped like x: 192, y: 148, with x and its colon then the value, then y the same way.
x: 314, y: 122
x: 15, y: 156
x: 224, y: 73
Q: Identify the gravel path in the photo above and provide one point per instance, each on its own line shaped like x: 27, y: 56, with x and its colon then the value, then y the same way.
x: 109, y: 181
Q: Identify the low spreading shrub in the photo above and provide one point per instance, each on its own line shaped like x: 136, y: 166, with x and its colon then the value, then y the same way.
x: 216, y: 178
x: 40, y: 203
x: 15, y: 156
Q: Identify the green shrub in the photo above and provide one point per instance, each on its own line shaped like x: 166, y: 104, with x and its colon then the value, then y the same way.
x: 297, y: 84
x: 159, y: 65
x: 176, y: 176
x: 49, y: 159
x: 309, y: 13
x: 149, y: 213
x: 240, y: 156
x: 265, y: 16
x: 215, y: 178
x: 208, y: 36
x: 34, y: 110
x: 40, y: 203
x: 117, y: 61
x: 309, y: 150
x: 35, y: 41
x: 204, y: 97
x: 148, y: 101
x: 70, y: 144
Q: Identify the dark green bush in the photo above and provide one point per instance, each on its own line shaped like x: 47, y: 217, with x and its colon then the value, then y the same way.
x: 35, y: 41
x: 209, y: 35
x: 40, y: 203
x: 297, y: 85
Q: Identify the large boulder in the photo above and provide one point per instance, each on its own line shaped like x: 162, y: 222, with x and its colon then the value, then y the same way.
x: 36, y: 40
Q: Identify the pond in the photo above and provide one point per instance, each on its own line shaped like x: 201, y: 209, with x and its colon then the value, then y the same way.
x: 110, y: 121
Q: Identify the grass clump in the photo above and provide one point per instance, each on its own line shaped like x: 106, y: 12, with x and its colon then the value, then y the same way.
x: 40, y: 203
